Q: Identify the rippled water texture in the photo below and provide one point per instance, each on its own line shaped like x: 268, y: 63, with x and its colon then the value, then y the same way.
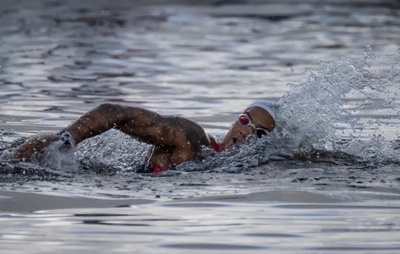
x: 326, y: 181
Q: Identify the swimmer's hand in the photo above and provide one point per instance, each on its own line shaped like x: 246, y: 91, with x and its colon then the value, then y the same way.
x: 35, y: 147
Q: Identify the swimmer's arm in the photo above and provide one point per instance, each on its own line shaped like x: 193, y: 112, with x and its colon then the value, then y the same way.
x: 33, y: 146
x: 142, y: 124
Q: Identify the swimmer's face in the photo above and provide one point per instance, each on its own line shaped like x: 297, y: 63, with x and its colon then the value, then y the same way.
x: 254, y: 121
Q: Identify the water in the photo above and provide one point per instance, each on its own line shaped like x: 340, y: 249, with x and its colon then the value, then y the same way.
x: 326, y: 181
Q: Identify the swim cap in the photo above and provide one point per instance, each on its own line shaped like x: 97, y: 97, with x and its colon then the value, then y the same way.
x: 269, y: 106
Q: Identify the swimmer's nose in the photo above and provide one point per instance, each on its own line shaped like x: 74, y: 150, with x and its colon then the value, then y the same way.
x: 246, y: 132
x: 241, y: 138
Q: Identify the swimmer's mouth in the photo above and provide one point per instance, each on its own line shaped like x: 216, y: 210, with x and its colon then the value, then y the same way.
x: 238, y: 141
x: 247, y: 140
x: 232, y: 142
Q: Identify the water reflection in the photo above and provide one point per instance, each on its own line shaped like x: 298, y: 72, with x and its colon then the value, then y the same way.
x: 256, y: 227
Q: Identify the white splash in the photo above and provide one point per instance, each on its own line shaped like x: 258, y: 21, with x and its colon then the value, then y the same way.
x: 311, y: 115
x: 114, y: 150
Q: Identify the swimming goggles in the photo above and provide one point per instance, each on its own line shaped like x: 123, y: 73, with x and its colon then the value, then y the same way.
x: 245, y: 120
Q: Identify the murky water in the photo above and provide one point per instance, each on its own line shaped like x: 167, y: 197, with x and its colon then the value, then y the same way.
x: 326, y: 181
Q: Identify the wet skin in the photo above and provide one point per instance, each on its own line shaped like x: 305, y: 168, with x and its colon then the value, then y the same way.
x: 174, y: 139
x: 238, y: 133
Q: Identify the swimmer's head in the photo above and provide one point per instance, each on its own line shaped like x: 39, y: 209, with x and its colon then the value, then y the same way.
x: 258, y: 119
x: 268, y: 106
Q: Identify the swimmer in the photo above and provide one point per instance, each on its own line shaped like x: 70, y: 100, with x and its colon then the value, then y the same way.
x: 174, y: 139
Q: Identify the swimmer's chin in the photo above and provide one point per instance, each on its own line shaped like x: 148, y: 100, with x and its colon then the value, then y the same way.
x: 232, y: 142
x: 236, y: 142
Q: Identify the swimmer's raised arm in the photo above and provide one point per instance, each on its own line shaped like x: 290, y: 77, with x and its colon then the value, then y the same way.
x: 144, y: 125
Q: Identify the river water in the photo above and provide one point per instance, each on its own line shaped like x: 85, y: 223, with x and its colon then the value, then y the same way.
x: 326, y: 181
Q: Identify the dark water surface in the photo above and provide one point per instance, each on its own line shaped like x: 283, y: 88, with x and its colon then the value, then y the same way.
x: 326, y: 181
